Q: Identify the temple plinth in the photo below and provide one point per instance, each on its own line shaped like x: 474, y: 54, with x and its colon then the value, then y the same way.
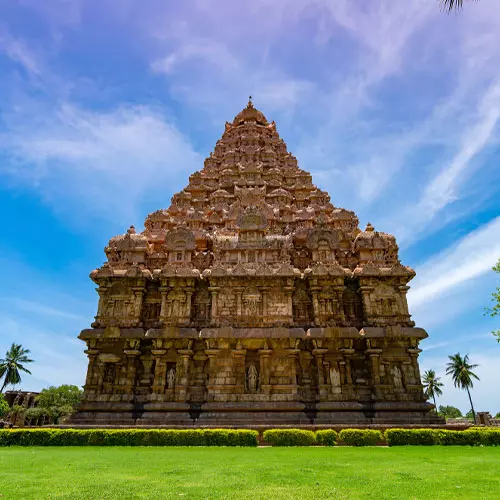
x: 252, y: 300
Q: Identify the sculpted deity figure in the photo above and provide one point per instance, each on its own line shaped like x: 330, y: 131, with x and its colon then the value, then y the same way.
x: 171, y: 378
x: 398, y: 377
x: 335, y: 379
x: 252, y: 378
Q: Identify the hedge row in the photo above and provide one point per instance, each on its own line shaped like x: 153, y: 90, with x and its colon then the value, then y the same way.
x: 242, y: 437
x: 427, y: 437
x: 327, y: 437
x: 127, y: 437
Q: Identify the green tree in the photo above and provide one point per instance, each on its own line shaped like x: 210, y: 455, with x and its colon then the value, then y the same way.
x: 10, y: 367
x: 495, y: 298
x: 4, y: 406
x: 58, y: 402
x: 432, y: 386
x: 497, y: 415
x: 461, y: 372
x: 16, y: 415
x: 449, y: 412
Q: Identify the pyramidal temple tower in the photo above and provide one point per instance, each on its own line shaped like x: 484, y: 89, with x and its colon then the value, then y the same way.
x: 252, y: 300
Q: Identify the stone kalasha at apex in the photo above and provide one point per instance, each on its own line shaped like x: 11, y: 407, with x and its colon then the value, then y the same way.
x: 252, y: 300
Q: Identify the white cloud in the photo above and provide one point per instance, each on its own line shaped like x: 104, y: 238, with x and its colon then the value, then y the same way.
x: 18, y: 52
x: 37, y: 308
x: 467, y: 259
x: 445, y: 188
x: 103, y: 163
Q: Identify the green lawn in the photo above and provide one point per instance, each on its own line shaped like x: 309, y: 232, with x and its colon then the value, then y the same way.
x: 432, y: 472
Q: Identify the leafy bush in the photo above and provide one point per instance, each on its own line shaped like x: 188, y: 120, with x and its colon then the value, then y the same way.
x: 327, y: 437
x: 4, y: 406
x: 449, y: 412
x: 470, y: 437
x: 289, y: 437
x: 56, y: 403
x: 360, y: 437
x: 127, y: 437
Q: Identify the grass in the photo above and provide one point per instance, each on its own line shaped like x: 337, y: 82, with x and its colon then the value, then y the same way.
x: 432, y: 472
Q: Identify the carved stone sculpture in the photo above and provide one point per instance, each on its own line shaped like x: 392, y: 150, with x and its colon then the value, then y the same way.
x: 171, y: 378
x: 398, y: 377
x: 252, y: 378
x: 270, y: 302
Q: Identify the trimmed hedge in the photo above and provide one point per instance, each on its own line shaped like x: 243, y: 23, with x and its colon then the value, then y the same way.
x: 289, y: 437
x: 327, y: 437
x: 470, y: 437
x: 360, y: 437
x: 127, y: 437
x: 478, y: 436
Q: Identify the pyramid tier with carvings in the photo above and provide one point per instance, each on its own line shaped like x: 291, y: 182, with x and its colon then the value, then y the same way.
x: 251, y: 209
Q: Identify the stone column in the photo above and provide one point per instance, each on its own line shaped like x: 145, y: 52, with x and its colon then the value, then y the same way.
x: 137, y: 304
x: 403, y: 290
x: 264, y: 355
x: 367, y: 305
x: 347, y: 353
x: 160, y: 370
x: 187, y: 309
x: 131, y: 355
x: 212, y: 369
x: 239, y: 369
x: 90, y: 381
x: 318, y: 356
x: 182, y: 383
x: 163, y: 310
x: 263, y: 291
x: 374, y: 355
x: 215, y: 291
x: 414, y: 352
x: 289, y: 303
x: 292, y: 357
x: 339, y: 295
x: 102, y: 291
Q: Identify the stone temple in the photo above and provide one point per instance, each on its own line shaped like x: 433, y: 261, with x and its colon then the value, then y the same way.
x: 252, y: 300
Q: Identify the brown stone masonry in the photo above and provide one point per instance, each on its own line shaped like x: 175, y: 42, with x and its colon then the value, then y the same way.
x: 252, y: 300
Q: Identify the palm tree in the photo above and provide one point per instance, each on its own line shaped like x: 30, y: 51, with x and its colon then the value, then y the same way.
x: 432, y: 386
x: 14, y: 361
x: 452, y: 4
x: 449, y: 5
x: 461, y: 372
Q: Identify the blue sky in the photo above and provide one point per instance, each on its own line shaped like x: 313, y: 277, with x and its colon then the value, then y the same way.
x: 107, y: 107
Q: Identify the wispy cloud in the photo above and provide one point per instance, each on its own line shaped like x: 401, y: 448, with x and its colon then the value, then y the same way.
x: 445, y: 187
x: 18, y: 52
x: 36, y: 308
x: 467, y: 259
x: 85, y: 158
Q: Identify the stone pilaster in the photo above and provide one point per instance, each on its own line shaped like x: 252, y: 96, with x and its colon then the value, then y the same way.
x: 265, y: 369
x: 91, y: 379
x: 184, y: 377
x: 131, y: 369
x: 163, y: 310
x: 374, y: 355
x: 239, y: 370
x: 292, y: 357
x: 160, y: 370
